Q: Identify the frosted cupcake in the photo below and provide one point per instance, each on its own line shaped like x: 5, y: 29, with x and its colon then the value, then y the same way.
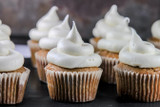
x: 43, y: 26
x: 109, y: 47
x: 137, y: 74
x: 111, y: 20
x: 155, y: 39
x: 47, y: 43
x: 72, y: 73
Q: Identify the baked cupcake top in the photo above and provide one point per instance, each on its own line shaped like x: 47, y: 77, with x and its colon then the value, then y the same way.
x: 72, y: 52
x: 107, y: 25
x: 55, y: 34
x: 44, y: 24
x: 140, y: 53
x: 5, y: 33
x: 155, y: 29
x: 10, y: 59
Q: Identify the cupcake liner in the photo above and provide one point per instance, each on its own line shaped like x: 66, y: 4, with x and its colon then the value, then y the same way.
x: 12, y: 87
x: 155, y: 43
x: 41, y: 62
x: 108, y: 74
x: 34, y: 47
x: 94, y: 44
x: 73, y: 86
x: 141, y: 87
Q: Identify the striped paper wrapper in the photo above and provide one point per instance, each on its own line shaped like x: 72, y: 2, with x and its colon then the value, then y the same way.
x: 34, y: 47
x: 141, y: 87
x: 73, y: 86
x: 41, y: 62
x: 12, y: 87
x: 108, y: 74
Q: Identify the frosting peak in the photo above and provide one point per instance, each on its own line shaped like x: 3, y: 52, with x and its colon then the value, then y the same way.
x: 55, y: 34
x: 44, y: 24
x: 72, y: 52
x: 140, y: 53
x: 155, y: 29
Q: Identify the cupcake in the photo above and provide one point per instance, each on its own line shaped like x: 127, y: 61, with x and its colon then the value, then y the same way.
x: 42, y: 27
x: 47, y: 43
x: 155, y: 39
x: 110, y: 20
x: 137, y: 74
x: 13, y: 75
x: 116, y: 34
x: 72, y: 72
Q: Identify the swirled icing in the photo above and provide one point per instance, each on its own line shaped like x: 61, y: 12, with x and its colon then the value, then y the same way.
x: 111, y: 19
x: 72, y: 52
x: 10, y: 59
x: 116, y: 38
x: 155, y: 29
x: 44, y: 24
x: 55, y: 34
x: 140, y: 53
x: 5, y: 33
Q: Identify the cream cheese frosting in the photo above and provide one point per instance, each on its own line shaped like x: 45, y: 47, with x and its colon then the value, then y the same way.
x: 55, y: 34
x: 72, y: 52
x: 5, y: 33
x: 155, y: 29
x: 44, y: 24
x: 116, y: 38
x: 10, y: 59
x: 111, y: 19
x: 140, y: 53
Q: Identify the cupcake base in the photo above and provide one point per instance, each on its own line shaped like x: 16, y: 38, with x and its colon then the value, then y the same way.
x: 12, y: 86
x: 72, y: 85
x: 156, y: 43
x: 108, y: 74
x: 139, y: 85
x: 34, y: 47
x: 41, y: 61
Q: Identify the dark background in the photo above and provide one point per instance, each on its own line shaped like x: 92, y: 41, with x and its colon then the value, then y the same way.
x: 22, y: 15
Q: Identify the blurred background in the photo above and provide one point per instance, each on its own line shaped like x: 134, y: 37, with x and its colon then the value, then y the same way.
x: 22, y: 15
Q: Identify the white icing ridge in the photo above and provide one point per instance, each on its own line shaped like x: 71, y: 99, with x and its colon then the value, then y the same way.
x: 117, y: 37
x: 140, y: 53
x: 72, y: 52
x: 111, y: 19
x: 44, y: 24
x: 155, y: 29
x: 10, y: 59
x: 5, y: 33
x: 55, y: 34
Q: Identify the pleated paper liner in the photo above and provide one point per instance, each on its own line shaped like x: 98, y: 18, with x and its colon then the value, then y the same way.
x: 138, y: 86
x: 73, y: 86
x: 108, y: 74
x: 41, y: 62
x: 34, y: 47
x: 155, y: 43
x: 12, y: 86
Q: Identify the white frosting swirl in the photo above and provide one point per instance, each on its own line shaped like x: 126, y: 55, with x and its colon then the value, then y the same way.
x: 72, y: 52
x: 55, y: 34
x: 140, y: 53
x: 5, y: 33
x: 155, y: 29
x: 44, y: 24
x: 10, y: 59
x: 111, y: 19
x: 116, y: 38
